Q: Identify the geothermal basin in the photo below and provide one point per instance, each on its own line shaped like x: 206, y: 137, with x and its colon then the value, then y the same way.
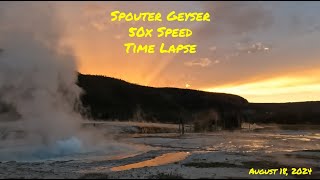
x: 221, y: 154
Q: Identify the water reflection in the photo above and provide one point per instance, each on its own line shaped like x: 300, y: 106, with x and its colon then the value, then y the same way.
x: 160, y: 160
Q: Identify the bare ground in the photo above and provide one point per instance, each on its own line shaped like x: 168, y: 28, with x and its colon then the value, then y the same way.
x: 204, y: 155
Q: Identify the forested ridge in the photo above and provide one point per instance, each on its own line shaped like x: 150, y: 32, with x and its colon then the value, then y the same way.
x: 113, y: 99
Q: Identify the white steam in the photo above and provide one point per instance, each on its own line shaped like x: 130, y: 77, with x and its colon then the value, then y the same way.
x: 38, y: 76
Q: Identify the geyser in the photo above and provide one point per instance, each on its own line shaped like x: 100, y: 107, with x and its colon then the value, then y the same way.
x: 38, y: 77
x: 60, y: 148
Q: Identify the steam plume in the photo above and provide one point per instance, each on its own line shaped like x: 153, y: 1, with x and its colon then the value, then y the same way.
x: 37, y: 74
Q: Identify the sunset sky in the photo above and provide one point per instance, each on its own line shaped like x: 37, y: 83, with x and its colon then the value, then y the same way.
x: 262, y: 51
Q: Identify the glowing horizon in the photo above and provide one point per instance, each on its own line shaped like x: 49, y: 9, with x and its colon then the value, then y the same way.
x: 275, y: 90
x: 257, y: 50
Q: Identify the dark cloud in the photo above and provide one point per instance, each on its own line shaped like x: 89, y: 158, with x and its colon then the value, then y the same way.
x: 235, y: 18
x: 232, y: 22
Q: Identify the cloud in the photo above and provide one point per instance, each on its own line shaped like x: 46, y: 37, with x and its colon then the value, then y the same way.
x: 118, y: 36
x: 248, y: 48
x: 314, y: 28
x: 96, y: 16
x: 233, y: 22
x: 100, y: 26
x: 234, y: 18
x: 202, y: 62
x: 253, y: 48
x: 216, y: 61
x: 92, y: 8
x: 228, y: 56
x: 213, y: 48
x: 300, y: 23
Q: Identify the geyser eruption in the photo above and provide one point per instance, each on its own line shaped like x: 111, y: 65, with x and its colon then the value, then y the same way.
x: 38, y: 77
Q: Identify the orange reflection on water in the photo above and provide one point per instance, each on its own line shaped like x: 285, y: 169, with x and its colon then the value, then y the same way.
x: 160, y: 160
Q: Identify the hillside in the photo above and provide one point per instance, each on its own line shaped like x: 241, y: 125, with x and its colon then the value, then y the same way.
x: 110, y: 98
x: 286, y: 113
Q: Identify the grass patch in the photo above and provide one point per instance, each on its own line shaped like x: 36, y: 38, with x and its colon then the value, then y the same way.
x: 166, y: 176
x: 211, y: 165
x: 94, y: 176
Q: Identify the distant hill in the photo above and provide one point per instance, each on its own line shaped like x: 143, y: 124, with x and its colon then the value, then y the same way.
x: 285, y: 113
x: 110, y: 98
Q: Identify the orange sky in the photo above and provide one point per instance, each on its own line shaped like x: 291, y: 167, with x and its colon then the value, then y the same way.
x: 258, y: 50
